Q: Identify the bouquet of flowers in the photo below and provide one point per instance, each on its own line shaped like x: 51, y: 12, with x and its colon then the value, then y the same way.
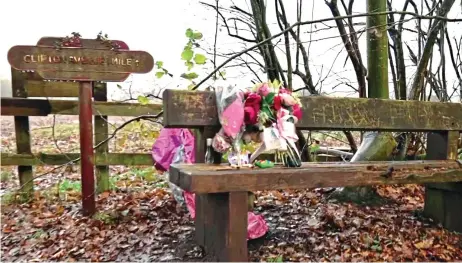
x: 273, y: 111
x: 267, y: 113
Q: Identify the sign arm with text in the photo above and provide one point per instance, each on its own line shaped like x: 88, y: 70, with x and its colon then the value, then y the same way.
x: 83, y: 60
x: 79, y: 63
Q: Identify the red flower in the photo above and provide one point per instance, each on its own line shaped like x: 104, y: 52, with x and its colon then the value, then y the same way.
x: 250, y: 116
x: 251, y: 108
x: 297, y: 111
x: 253, y: 99
x: 277, y: 102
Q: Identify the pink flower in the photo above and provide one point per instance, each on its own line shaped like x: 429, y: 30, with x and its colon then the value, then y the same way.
x: 284, y: 91
x: 287, y: 99
x: 297, y: 111
x: 264, y: 90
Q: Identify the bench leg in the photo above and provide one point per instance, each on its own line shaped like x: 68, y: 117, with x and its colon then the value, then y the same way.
x: 443, y: 201
x: 221, y: 226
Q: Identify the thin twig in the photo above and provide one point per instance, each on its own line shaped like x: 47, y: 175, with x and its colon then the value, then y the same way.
x: 259, y: 44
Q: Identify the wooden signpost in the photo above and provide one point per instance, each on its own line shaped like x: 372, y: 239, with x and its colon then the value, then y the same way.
x: 85, y: 61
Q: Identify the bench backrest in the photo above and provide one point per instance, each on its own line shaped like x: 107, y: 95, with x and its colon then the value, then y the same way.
x: 197, y: 110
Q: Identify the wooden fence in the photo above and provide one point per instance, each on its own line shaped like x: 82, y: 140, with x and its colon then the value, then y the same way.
x: 29, y: 84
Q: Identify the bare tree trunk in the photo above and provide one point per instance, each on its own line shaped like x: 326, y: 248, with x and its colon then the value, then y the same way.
x: 417, y: 83
x: 376, y: 146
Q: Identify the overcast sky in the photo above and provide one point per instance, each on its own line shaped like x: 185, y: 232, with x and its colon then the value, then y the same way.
x: 158, y: 27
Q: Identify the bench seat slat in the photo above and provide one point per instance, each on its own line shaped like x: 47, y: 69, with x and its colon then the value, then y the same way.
x: 202, y: 178
x: 197, y: 109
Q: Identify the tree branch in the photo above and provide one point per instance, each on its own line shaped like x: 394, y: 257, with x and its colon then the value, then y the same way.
x: 265, y: 41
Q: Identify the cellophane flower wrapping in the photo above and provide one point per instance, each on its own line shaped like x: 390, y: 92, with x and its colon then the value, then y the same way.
x: 230, y: 108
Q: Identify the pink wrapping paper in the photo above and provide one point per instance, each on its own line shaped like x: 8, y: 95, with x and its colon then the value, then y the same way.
x: 256, y: 224
x: 163, y: 152
x: 165, y: 145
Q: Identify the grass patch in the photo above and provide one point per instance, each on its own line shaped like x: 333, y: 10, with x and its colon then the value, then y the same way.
x: 276, y: 259
x: 104, y: 217
x: 62, y: 131
x: 70, y: 186
x: 10, y: 198
x: 5, y: 176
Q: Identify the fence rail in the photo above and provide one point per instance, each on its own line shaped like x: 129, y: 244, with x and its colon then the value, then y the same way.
x: 43, y: 159
x: 29, y: 84
x: 44, y: 107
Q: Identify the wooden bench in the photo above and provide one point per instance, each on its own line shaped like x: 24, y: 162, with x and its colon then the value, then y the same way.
x: 221, y: 192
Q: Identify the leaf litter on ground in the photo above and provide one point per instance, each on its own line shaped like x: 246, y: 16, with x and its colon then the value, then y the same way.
x: 140, y: 221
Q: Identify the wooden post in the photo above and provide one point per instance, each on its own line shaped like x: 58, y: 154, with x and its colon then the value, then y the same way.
x: 221, y: 219
x: 21, y: 126
x: 101, y: 134
x: 200, y: 138
x: 443, y: 201
x: 86, y: 148
x: 222, y: 226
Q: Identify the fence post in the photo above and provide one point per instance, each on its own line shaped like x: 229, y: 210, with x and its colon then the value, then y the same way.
x: 443, y: 201
x: 21, y: 127
x: 101, y: 134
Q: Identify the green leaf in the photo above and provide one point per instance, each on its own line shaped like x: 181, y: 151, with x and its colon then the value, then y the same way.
x: 189, y: 64
x: 197, y: 35
x: 189, y: 33
x: 315, y: 148
x: 143, y: 100
x: 223, y: 73
x: 159, y: 64
x: 200, y: 59
x: 119, y: 86
x: 191, y: 86
x: 159, y: 74
x: 269, y: 99
x: 190, y: 75
x: 187, y: 54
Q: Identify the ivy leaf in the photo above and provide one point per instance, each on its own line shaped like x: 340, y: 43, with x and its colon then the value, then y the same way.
x: 197, y: 35
x: 191, y: 75
x: 187, y: 54
x: 189, y: 64
x: 159, y: 64
x: 159, y: 74
x: 143, y: 100
x: 189, y: 33
x: 200, y: 59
